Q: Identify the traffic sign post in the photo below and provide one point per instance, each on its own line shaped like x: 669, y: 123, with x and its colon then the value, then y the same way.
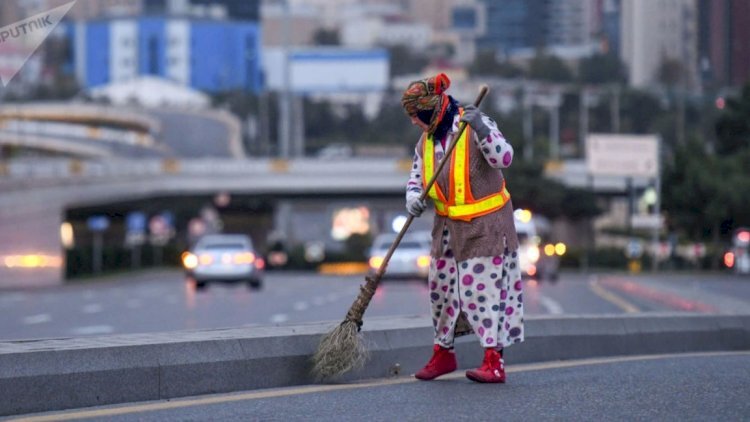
x: 98, y: 224
x: 135, y: 236
x: 161, y: 227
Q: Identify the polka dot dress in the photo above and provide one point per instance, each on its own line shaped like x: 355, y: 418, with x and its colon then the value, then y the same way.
x: 488, y: 289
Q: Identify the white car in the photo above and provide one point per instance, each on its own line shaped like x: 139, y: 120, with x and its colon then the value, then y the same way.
x: 228, y: 258
x: 537, y: 261
x: 411, y: 259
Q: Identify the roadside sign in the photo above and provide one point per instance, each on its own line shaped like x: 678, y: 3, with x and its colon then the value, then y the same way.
x: 135, y: 229
x: 98, y: 223
x: 158, y: 225
x: 647, y: 221
x: 634, y: 249
x: 622, y: 155
x: 136, y: 222
x: 161, y: 227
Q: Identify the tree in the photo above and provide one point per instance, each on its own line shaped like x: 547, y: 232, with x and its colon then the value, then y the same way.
x: 640, y: 110
x: 733, y: 125
x: 405, y: 62
x: 601, y: 69
x: 670, y: 72
x: 486, y: 64
x: 530, y: 189
x: 546, y: 67
x: 706, y: 195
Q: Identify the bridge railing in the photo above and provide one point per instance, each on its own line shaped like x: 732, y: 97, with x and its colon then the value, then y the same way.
x: 26, y: 171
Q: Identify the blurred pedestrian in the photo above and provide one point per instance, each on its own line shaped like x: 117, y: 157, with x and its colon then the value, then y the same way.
x: 474, y: 270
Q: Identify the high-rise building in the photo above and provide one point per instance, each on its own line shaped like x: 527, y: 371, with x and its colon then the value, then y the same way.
x: 209, y: 55
x: 573, y: 22
x: 610, y: 10
x: 654, y: 32
x: 723, y: 42
x: 514, y: 24
x: 528, y: 24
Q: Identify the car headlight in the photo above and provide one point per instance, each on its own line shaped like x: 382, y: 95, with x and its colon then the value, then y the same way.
x: 189, y: 261
x: 549, y: 249
x: 205, y: 259
x: 532, y: 253
x: 244, y: 258
x: 376, y: 262
x: 560, y: 249
x: 423, y: 261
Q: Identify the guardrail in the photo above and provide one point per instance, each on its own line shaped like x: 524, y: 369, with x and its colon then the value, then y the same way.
x: 71, y: 112
x: 66, y: 170
x: 23, y: 128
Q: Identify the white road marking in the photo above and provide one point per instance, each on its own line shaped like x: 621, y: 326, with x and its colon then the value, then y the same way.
x: 93, y: 329
x: 300, y: 306
x: 279, y: 318
x: 550, y: 305
x: 37, y: 319
x: 13, y: 297
x: 92, y: 308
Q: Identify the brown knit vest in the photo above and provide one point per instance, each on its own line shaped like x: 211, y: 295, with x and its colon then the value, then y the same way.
x: 487, y: 235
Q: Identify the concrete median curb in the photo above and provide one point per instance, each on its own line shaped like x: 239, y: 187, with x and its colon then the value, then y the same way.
x: 57, y: 374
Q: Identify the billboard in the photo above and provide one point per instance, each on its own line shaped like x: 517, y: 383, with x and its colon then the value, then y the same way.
x: 328, y: 70
x: 622, y: 155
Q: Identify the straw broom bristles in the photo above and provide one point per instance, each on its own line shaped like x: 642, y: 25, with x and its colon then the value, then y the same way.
x: 340, y: 351
x: 343, y: 349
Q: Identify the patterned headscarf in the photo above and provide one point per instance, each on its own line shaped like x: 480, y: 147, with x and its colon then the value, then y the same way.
x: 427, y: 95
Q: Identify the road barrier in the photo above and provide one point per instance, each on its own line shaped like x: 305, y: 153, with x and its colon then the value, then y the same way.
x: 54, y: 374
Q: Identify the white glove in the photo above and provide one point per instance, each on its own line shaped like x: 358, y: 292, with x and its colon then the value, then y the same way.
x: 414, y: 206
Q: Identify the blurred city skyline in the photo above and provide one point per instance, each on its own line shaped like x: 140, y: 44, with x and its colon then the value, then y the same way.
x: 697, y: 44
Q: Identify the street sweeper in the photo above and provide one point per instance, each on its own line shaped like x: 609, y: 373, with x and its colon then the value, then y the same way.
x: 474, y: 269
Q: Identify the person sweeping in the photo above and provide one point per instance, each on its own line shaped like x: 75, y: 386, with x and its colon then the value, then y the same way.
x: 474, y: 271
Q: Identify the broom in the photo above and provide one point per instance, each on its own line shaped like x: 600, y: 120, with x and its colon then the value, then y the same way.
x: 342, y: 349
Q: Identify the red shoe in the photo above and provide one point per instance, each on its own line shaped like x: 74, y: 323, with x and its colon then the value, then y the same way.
x: 443, y: 361
x: 492, y: 369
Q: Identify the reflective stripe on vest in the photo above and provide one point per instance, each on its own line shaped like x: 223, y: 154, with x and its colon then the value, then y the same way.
x: 461, y: 204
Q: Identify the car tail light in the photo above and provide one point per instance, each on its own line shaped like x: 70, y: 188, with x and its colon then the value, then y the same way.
x: 260, y: 263
x: 729, y: 259
x: 244, y: 258
x: 423, y: 261
x: 531, y: 271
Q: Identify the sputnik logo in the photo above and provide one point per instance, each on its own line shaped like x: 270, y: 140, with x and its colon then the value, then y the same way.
x: 21, y: 39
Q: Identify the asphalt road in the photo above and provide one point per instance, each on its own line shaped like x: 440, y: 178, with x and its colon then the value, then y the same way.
x: 691, y: 387
x: 165, y: 301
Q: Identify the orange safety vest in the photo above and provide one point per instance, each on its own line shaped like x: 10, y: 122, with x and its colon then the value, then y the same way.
x: 461, y: 204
